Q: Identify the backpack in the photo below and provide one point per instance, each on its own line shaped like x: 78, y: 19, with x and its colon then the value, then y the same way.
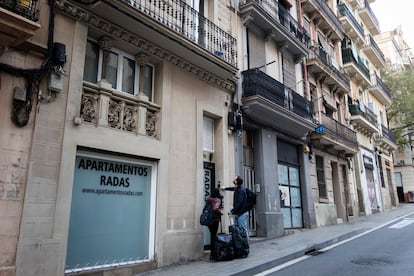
x: 207, y: 215
x: 251, y: 199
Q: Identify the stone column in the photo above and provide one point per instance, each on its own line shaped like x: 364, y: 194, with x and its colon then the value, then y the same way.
x: 103, y: 104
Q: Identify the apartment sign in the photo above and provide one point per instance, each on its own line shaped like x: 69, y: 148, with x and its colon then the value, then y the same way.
x: 368, y: 162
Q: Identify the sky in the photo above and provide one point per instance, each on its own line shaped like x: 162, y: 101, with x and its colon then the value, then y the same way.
x: 392, y: 13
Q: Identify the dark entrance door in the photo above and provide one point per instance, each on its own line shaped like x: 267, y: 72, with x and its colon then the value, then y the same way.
x: 209, y: 184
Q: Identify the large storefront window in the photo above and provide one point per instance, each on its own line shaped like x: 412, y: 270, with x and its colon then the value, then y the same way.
x: 112, y: 212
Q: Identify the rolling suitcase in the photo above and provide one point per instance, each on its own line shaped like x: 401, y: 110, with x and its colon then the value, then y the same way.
x: 223, y: 248
x: 240, y: 241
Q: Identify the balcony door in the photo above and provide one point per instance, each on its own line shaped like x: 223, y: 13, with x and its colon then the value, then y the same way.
x: 289, y: 74
x: 199, y: 31
x: 256, y: 51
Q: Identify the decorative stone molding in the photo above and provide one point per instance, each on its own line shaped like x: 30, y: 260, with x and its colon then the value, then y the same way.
x: 106, y: 43
x: 142, y: 58
x: 116, y: 32
x: 103, y: 106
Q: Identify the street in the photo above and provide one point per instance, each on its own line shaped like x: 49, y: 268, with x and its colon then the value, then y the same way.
x: 386, y: 251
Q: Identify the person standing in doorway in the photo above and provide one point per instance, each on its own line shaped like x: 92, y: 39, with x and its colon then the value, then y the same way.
x: 216, y: 203
x: 240, y: 207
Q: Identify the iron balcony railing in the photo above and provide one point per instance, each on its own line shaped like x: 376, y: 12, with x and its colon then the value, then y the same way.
x: 386, y: 133
x: 330, y: 14
x: 186, y: 21
x: 281, y: 15
x: 339, y: 130
x: 29, y: 9
x: 377, y: 81
x: 326, y: 59
x: 257, y: 83
x: 372, y: 14
x: 347, y: 56
x: 371, y: 43
x: 344, y: 11
x: 368, y: 114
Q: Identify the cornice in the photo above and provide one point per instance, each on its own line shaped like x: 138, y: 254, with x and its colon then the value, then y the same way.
x: 115, y: 31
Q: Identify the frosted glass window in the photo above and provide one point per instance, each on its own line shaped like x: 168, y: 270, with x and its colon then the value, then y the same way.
x: 293, y: 176
x: 297, y: 218
x: 110, y: 213
x: 283, y: 174
x: 295, y: 199
x: 287, y: 219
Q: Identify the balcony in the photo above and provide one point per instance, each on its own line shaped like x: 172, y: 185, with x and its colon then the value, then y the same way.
x: 168, y: 26
x: 369, y: 19
x: 351, y: 25
x: 363, y: 119
x: 327, y: 20
x: 357, y: 71
x: 356, y: 4
x: 269, y: 102
x: 336, y: 137
x: 373, y: 52
x: 380, y: 90
x: 325, y: 68
x: 386, y: 139
x: 18, y: 22
x: 277, y: 23
x: 103, y: 106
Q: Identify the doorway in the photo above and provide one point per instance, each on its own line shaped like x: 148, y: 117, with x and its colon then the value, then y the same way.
x: 209, y: 184
x: 290, y: 196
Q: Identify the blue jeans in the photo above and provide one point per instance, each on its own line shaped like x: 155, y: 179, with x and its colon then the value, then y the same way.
x: 242, y: 222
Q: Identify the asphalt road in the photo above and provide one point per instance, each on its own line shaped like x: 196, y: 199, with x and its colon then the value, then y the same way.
x: 388, y: 251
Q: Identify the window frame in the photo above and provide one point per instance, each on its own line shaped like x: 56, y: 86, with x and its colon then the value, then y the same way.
x: 320, y: 171
x: 119, y: 82
x: 207, y: 135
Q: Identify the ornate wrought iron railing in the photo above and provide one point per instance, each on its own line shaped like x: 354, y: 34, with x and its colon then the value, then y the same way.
x: 347, y: 56
x: 371, y: 43
x: 339, y: 130
x: 29, y: 9
x: 386, y: 133
x: 326, y: 59
x: 377, y: 81
x: 344, y: 11
x: 186, y: 21
x: 368, y: 114
x: 371, y: 12
x: 330, y: 14
x: 283, y: 17
x: 257, y: 83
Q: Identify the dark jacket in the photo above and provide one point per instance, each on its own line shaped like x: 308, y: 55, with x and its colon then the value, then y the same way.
x: 239, y: 200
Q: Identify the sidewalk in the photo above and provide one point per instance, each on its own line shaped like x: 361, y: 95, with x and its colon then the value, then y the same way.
x: 265, y: 254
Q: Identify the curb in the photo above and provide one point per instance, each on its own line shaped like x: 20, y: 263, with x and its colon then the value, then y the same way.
x: 309, y: 250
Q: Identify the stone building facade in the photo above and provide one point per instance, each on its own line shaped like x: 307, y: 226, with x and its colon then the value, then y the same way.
x: 118, y: 117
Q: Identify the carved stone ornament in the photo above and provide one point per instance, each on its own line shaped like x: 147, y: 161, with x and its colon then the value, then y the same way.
x: 114, y: 113
x: 129, y: 118
x: 150, y: 125
x: 88, y: 107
